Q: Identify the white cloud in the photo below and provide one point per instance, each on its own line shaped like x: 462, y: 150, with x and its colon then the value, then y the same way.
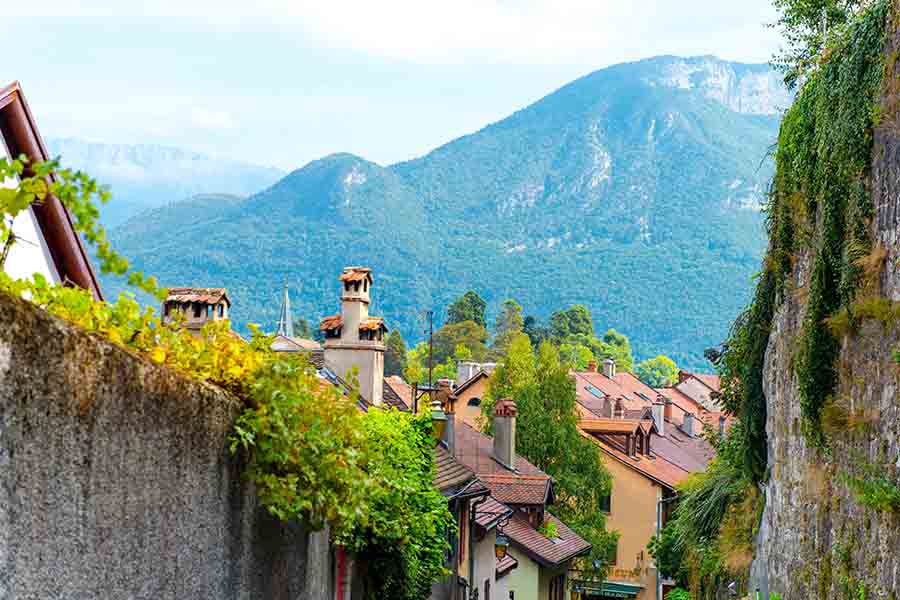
x: 453, y: 31
x: 204, y: 118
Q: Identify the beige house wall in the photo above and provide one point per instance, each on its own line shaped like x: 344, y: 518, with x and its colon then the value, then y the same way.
x: 633, y: 514
x: 524, y: 580
x: 467, y: 413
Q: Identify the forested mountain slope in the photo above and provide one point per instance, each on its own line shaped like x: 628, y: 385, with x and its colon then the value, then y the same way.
x: 635, y: 190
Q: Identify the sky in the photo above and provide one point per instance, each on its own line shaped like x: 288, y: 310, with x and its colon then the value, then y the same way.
x: 283, y: 82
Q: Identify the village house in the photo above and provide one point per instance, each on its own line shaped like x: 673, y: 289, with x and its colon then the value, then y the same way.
x: 471, y: 380
x: 45, y: 240
x: 649, y: 446
x: 542, y: 562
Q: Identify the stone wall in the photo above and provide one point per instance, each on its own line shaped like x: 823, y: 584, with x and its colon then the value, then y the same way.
x: 116, y: 481
x: 815, y: 540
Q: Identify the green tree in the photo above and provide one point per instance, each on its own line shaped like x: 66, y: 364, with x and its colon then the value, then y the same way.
x: 572, y: 321
x: 547, y: 435
x: 805, y: 26
x: 508, y: 325
x: 657, y: 372
x: 394, y: 354
x: 576, y: 355
x: 468, y: 333
x: 621, y: 349
x: 302, y: 329
x: 416, y: 370
x: 468, y: 307
x: 536, y: 332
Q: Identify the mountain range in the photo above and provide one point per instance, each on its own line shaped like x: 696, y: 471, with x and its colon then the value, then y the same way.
x: 146, y: 176
x: 636, y: 190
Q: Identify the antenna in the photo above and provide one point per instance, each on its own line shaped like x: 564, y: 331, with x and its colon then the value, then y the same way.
x: 430, y: 332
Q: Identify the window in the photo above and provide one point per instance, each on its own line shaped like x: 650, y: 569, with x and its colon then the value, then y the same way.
x: 474, y: 402
x: 639, y: 443
x: 606, y: 503
x: 613, y: 553
x: 221, y: 310
x: 197, y: 309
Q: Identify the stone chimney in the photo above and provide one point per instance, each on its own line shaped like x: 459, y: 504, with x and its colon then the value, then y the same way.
x: 609, y: 368
x: 688, y: 425
x: 668, y: 411
x: 659, y: 412
x: 592, y: 366
x: 505, y: 433
x: 353, y: 339
x: 619, y: 410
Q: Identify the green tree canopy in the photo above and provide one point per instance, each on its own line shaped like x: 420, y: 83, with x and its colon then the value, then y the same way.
x: 302, y: 329
x: 657, y: 372
x: 803, y: 25
x: 468, y: 333
x: 572, y: 321
x: 468, y: 307
x: 536, y: 332
x: 621, y: 349
x: 576, y: 355
x: 508, y: 325
x: 394, y: 354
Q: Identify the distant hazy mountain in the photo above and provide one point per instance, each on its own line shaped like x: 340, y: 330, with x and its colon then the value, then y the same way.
x: 147, y: 176
x: 635, y: 190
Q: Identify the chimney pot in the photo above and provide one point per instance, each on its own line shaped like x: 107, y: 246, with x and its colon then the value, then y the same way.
x: 592, y: 366
x: 619, y: 410
x: 505, y: 412
x: 609, y: 368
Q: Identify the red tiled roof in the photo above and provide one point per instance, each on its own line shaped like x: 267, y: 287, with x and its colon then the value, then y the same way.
x: 355, y: 274
x: 609, y: 425
x: 372, y: 323
x: 331, y: 322
x: 711, y: 381
x: 548, y: 552
x: 505, y: 565
x: 680, y: 400
x: 490, y: 512
x: 476, y: 451
x: 519, y: 489
x: 449, y: 473
x: 195, y: 294
x: 400, y: 389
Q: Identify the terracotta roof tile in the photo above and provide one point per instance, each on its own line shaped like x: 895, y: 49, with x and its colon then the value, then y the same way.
x: 391, y: 398
x: 195, y: 294
x: 332, y: 322
x: 519, y: 489
x: 449, y: 473
x: 401, y: 389
x: 609, y: 425
x: 490, y: 512
x: 546, y: 551
x: 505, y: 565
x: 355, y: 274
x: 476, y: 451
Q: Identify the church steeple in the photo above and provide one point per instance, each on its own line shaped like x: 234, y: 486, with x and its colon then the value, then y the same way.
x: 285, y: 319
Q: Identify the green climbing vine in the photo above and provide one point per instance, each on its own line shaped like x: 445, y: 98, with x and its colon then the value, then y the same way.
x: 819, y: 212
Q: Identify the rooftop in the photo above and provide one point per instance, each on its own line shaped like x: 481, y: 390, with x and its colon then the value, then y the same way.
x: 197, y: 294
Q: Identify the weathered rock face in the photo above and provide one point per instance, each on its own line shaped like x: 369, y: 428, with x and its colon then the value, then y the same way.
x: 116, y: 481
x: 816, y: 540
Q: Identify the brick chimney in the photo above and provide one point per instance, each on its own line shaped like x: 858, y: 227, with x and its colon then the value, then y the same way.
x: 505, y: 413
x: 619, y: 410
x: 659, y: 412
x: 609, y: 368
x: 353, y: 339
x: 668, y: 411
x: 687, y: 425
x: 592, y: 366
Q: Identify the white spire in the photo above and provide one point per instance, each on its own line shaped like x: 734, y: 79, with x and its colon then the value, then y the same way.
x: 285, y: 320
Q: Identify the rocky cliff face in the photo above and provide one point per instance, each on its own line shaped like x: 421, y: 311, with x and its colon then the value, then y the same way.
x: 816, y: 539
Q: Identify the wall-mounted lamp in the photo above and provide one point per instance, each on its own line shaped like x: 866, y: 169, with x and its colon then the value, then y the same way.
x: 438, y: 419
x: 501, y: 545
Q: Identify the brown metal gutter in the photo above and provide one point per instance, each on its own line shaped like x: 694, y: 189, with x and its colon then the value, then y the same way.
x: 66, y: 248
